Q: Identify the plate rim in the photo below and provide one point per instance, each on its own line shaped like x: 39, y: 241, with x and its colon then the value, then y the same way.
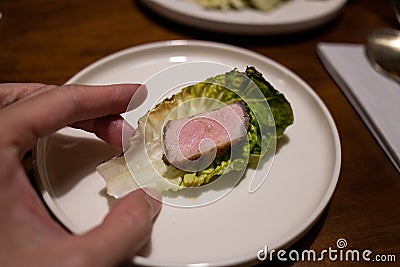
x: 300, y: 229
x: 243, y: 27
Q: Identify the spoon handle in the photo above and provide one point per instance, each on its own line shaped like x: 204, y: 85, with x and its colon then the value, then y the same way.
x: 396, y: 7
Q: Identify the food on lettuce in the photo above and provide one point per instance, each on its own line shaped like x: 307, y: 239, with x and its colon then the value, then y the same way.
x: 261, y: 114
x: 213, y: 132
x: 263, y: 5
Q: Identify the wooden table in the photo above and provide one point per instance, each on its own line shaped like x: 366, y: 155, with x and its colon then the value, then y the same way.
x: 49, y: 41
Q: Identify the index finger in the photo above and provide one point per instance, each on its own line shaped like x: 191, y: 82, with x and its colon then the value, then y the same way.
x: 12, y: 92
x: 27, y: 120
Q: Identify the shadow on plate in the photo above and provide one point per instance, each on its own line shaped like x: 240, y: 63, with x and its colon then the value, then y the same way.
x: 70, y: 159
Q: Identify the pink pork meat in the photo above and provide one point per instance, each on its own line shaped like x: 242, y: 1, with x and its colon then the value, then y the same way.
x: 207, y: 134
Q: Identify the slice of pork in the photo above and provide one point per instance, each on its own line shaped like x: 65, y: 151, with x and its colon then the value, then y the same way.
x: 192, y: 143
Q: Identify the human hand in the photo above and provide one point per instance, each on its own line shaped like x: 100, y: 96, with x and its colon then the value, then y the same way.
x: 28, y: 234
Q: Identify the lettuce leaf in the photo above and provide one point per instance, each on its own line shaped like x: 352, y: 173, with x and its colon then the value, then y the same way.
x: 144, y: 157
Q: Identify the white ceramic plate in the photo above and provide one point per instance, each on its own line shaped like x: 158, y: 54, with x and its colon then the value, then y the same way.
x: 291, y: 16
x: 226, y: 232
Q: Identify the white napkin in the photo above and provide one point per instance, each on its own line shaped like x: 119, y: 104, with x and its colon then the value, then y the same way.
x: 375, y: 97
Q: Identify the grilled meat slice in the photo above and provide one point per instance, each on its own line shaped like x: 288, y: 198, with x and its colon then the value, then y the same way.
x: 207, y: 134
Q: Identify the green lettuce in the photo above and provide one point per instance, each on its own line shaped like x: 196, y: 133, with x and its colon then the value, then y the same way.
x: 267, y: 124
x: 232, y: 87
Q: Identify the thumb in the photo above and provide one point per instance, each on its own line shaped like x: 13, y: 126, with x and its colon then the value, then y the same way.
x: 126, y: 229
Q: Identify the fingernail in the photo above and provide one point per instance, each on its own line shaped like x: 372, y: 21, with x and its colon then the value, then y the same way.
x: 138, y: 97
x: 154, y: 199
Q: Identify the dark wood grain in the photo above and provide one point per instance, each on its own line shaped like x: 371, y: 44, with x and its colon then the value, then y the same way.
x: 49, y: 41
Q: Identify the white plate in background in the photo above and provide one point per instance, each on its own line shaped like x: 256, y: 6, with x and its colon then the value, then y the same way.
x: 233, y: 229
x: 289, y: 17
